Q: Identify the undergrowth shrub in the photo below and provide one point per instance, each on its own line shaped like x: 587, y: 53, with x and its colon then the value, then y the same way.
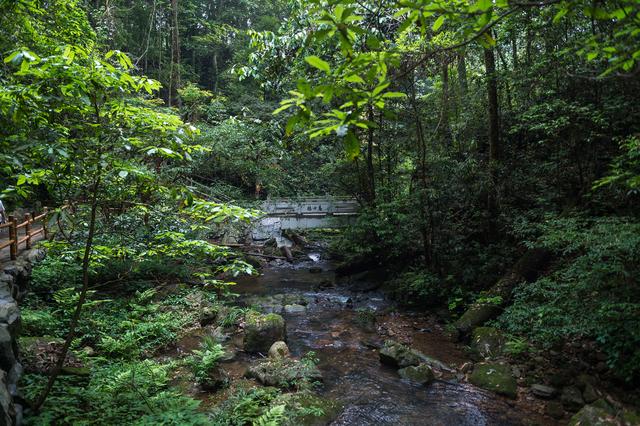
x: 593, y: 292
x: 135, y: 393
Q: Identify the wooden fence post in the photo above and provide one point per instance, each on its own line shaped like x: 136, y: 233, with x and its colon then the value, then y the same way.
x: 13, y: 236
x: 27, y: 229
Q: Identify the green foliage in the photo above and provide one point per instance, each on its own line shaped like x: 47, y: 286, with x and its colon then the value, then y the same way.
x: 593, y: 292
x: 39, y: 322
x: 117, y: 393
x: 204, y: 360
x: 419, y: 288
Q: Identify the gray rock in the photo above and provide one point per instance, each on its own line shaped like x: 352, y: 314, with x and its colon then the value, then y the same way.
x: 34, y: 255
x: 6, y: 402
x: 398, y: 355
x: 261, y: 331
x: 571, y: 398
x: 279, y: 350
x: 9, y: 313
x: 543, y: 391
x: 422, y: 374
x: 7, y: 353
x: 294, y: 309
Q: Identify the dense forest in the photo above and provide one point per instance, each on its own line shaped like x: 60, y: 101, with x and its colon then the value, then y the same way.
x: 493, y: 151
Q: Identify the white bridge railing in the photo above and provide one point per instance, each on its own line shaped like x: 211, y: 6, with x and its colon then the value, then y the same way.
x: 303, y: 213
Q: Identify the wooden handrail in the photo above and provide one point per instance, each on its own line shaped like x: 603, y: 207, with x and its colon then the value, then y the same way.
x: 15, y: 241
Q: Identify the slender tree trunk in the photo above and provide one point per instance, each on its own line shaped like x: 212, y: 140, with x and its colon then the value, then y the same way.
x: 494, y: 139
x: 55, y: 372
x: 446, y: 128
x: 492, y: 95
x: 175, y: 56
x: 462, y: 74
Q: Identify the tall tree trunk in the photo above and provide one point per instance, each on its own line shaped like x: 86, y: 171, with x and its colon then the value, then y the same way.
x: 492, y: 96
x: 174, y: 84
x: 444, y: 117
x: 462, y: 74
x: 494, y: 139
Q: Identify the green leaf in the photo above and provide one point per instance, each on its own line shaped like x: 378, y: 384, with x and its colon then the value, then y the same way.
x: 354, y: 78
x: 561, y: 13
x: 436, y: 25
x: 351, y: 145
x: 318, y: 63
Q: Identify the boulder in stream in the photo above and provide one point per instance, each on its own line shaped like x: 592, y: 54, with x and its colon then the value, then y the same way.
x: 398, y: 355
x: 261, y: 331
x: 496, y: 378
x: 422, y: 374
x: 284, y: 373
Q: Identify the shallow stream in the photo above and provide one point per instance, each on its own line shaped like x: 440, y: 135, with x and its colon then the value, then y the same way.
x: 337, y: 324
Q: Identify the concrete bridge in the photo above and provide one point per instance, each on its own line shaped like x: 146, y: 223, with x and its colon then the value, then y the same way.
x: 303, y: 213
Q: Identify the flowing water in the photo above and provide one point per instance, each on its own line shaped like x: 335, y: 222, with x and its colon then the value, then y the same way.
x: 337, y: 325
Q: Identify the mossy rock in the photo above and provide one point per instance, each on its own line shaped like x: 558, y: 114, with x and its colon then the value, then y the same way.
x: 398, y: 355
x: 590, y: 415
x: 496, y: 378
x: 488, y: 342
x: 422, y: 374
x: 285, y: 373
x: 261, y: 331
x: 475, y: 316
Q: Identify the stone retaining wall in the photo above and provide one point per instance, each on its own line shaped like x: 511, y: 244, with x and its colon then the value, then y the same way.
x: 14, y: 279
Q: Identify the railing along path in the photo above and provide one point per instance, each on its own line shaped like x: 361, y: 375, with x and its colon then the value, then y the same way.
x: 29, y: 234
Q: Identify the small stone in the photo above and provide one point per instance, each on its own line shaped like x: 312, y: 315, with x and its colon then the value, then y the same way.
x: 543, y: 391
x: 278, y: 350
